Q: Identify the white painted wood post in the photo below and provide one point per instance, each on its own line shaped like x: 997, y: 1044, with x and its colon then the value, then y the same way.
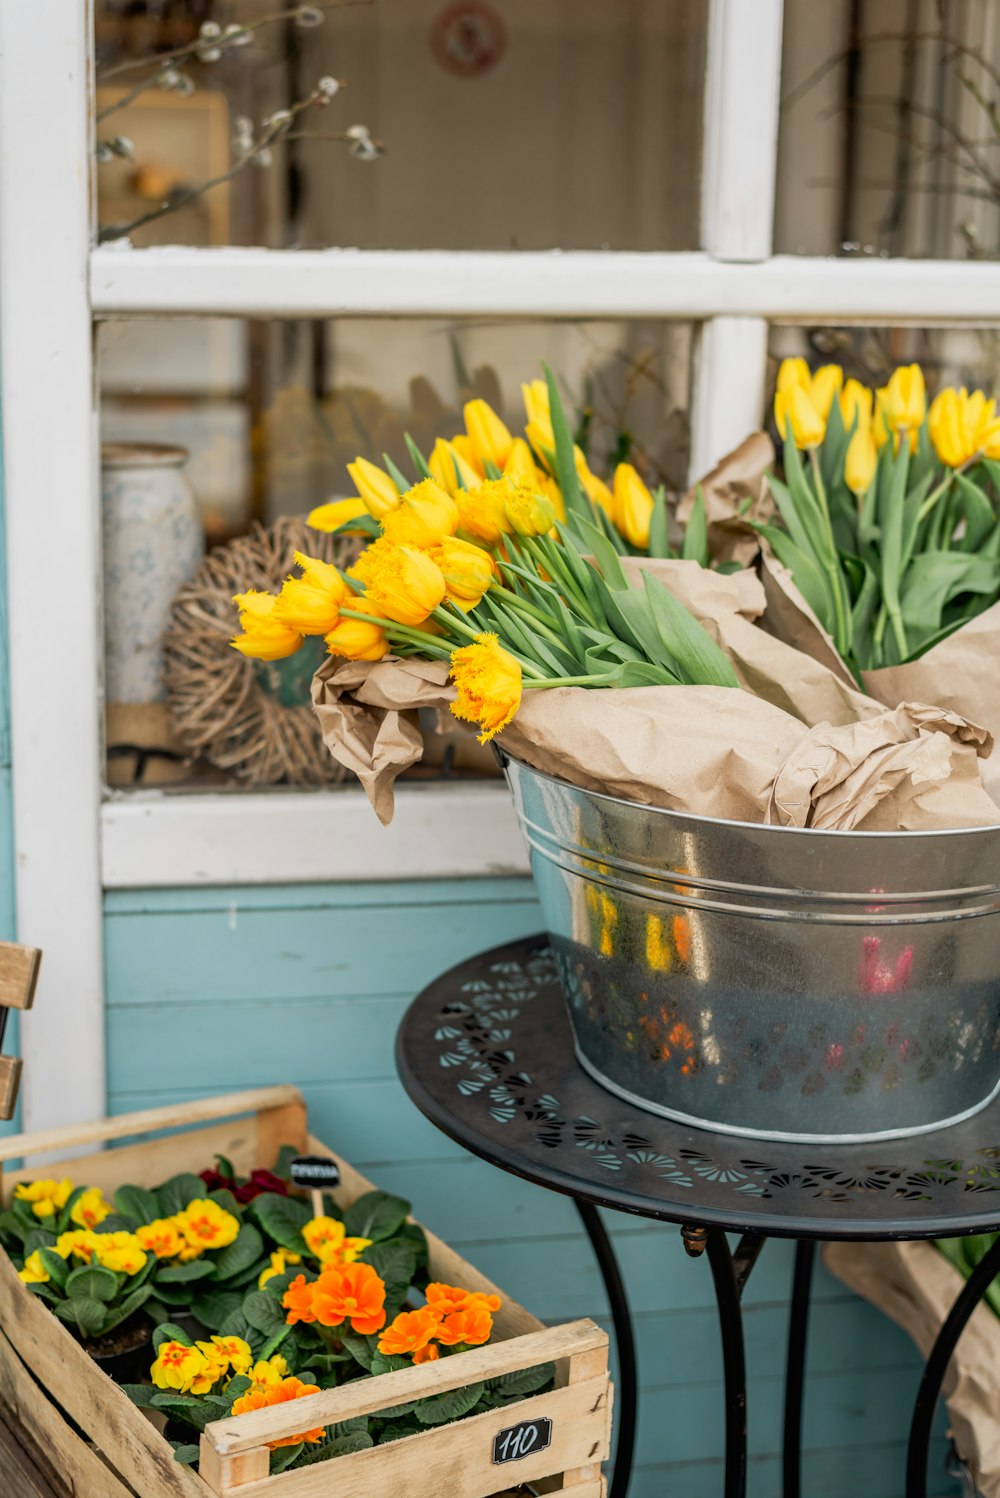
x: 739, y: 168
x: 54, y: 581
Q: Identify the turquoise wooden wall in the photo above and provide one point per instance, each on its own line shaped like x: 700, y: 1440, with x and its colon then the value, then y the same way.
x: 228, y: 988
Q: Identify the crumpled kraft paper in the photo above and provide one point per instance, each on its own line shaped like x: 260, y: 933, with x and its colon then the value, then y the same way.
x: 916, y: 1286
x: 727, y: 604
x: 715, y: 751
x: 739, y: 476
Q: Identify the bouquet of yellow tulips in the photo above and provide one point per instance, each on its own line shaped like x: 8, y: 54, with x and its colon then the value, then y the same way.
x: 633, y: 518
x: 890, y: 523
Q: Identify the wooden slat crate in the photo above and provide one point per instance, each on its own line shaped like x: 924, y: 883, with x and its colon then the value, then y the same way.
x: 18, y: 977
x: 46, y: 1376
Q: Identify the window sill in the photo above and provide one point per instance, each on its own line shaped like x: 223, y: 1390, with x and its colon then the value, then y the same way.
x: 152, y: 840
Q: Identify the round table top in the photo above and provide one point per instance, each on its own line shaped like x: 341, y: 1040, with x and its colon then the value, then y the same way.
x: 487, y: 1054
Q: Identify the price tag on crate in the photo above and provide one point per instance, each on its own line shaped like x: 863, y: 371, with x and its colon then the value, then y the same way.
x: 517, y: 1441
x: 315, y: 1174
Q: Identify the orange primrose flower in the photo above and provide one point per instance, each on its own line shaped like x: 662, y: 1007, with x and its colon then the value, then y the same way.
x: 298, y: 1301
x: 410, y: 1332
x: 287, y: 1389
x: 470, y: 1328
x: 448, y: 1298
x: 350, y: 1292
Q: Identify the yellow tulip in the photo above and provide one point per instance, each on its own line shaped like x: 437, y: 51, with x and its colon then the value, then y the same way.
x: 374, y: 486
x: 860, y: 461
x: 487, y: 433
x: 488, y: 679
x: 357, y: 640
x: 855, y: 404
x: 633, y: 505
x: 792, y: 372
x: 264, y: 637
x: 482, y: 511
x: 466, y: 450
x: 520, y: 465
x: 596, y: 489
x: 553, y: 493
x: 330, y: 517
x: 962, y: 426
x: 538, y: 428
x: 826, y: 384
x: 529, y: 512
x: 425, y: 514
x: 309, y: 604
x: 796, y: 416
x: 467, y: 570
x: 450, y: 470
x: 900, y: 406
x: 402, y: 583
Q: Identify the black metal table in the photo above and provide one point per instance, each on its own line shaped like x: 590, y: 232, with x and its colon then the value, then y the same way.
x: 487, y: 1054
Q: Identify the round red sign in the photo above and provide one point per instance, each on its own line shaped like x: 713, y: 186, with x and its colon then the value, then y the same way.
x: 468, y: 38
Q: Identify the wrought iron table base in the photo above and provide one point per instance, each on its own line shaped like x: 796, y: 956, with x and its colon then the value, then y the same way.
x: 486, y: 1053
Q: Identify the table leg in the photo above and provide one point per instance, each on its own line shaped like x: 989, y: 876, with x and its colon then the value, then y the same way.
x: 936, y: 1366
x: 624, y: 1345
x: 727, y: 1297
x: 795, y: 1368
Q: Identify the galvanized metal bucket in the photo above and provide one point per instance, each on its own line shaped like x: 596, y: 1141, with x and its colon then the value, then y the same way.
x: 771, y: 981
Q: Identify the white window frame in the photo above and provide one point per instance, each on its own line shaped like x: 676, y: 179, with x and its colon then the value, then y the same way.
x: 73, y: 840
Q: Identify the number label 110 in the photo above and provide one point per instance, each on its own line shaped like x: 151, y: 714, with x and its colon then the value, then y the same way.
x: 517, y: 1441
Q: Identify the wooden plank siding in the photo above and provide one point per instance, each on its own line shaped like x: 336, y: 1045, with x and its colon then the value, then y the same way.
x: 8, y: 931
x: 307, y: 985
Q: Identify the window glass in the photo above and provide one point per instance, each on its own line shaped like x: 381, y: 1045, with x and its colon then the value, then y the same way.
x: 889, y: 140
x: 485, y: 124
x: 214, y: 428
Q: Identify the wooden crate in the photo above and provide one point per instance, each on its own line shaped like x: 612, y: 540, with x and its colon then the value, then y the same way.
x: 46, y: 1376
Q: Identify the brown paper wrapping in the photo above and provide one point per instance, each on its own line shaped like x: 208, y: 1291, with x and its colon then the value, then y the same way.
x: 916, y: 1286
x: 738, y: 477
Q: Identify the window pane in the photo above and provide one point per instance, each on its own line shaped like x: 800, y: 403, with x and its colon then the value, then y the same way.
x: 507, y: 124
x: 948, y: 356
x: 259, y: 420
x: 889, y: 142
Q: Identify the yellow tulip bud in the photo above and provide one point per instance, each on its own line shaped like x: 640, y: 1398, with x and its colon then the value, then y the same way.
x: 860, y: 461
x: 520, y: 465
x: 450, y: 470
x: 264, y: 637
x: 826, y: 383
x: 596, y: 489
x: 482, y: 511
x: 855, y: 404
x: 962, y: 426
x: 901, y: 406
x: 797, y: 417
x: 466, y: 450
x: 529, y: 512
x: 401, y: 582
x: 538, y: 428
x: 374, y: 486
x: 467, y: 570
x: 357, y: 640
x: 633, y: 505
x: 425, y: 514
x: 338, y: 512
x: 487, y: 433
x: 793, y: 372
x: 489, y: 684
x: 553, y: 493
x: 309, y: 604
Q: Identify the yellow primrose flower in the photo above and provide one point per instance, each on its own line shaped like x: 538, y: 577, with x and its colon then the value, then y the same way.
x: 487, y: 433
x: 467, y: 570
x: 961, y: 426
x: 310, y: 604
x: 121, y: 1252
x: 328, y: 1242
x: 264, y: 637
x: 90, y: 1209
x: 176, y: 1366
x: 443, y: 463
x: 267, y: 1374
x: 356, y: 639
x: 633, y: 505
x: 520, y: 465
x: 900, y: 406
x: 81, y: 1242
x: 232, y: 1351
x: 402, y: 583
x: 482, y: 511
x: 46, y: 1197
x: 216, y: 1367
x: 425, y: 514
x: 529, y: 512
x: 206, y: 1225
x: 855, y: 401
x: 488, y: 679
x: 280, y: 1261
x: 162, y: 1238
x: 374, y: 486
x: 860, y: 461
x: 331, y: 516
x: 34, y: 1271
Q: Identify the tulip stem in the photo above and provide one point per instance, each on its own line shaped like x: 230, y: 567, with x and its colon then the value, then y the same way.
x: 569, y: 681
x: 936, y: 494
x: 831, y: 565
x: 453, y: 621
x: 403, y: 632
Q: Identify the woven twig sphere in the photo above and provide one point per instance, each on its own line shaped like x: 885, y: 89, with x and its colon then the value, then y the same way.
x: 219, y: 704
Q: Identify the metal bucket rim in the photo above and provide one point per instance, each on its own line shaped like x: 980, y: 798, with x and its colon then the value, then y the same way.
x: 839, y: 834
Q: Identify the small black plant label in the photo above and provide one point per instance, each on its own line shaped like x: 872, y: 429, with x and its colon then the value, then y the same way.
x: 517, y: 1441
x: 314, y: 1172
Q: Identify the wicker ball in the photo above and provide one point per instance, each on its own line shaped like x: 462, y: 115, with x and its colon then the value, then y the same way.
x: 220, y: 702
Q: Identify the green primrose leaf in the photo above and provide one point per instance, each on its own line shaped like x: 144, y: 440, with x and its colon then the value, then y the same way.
x: 91, y: 1281
x: 452, y: 1405
x: 169, y: 1332
x: 137, y: 1206
x: 174, y: 1195
x: 282, y: 1219
x: 242, y: 1254
x: 185, y: 1453
x: 57, y: 1267
x: 376, y: 1215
